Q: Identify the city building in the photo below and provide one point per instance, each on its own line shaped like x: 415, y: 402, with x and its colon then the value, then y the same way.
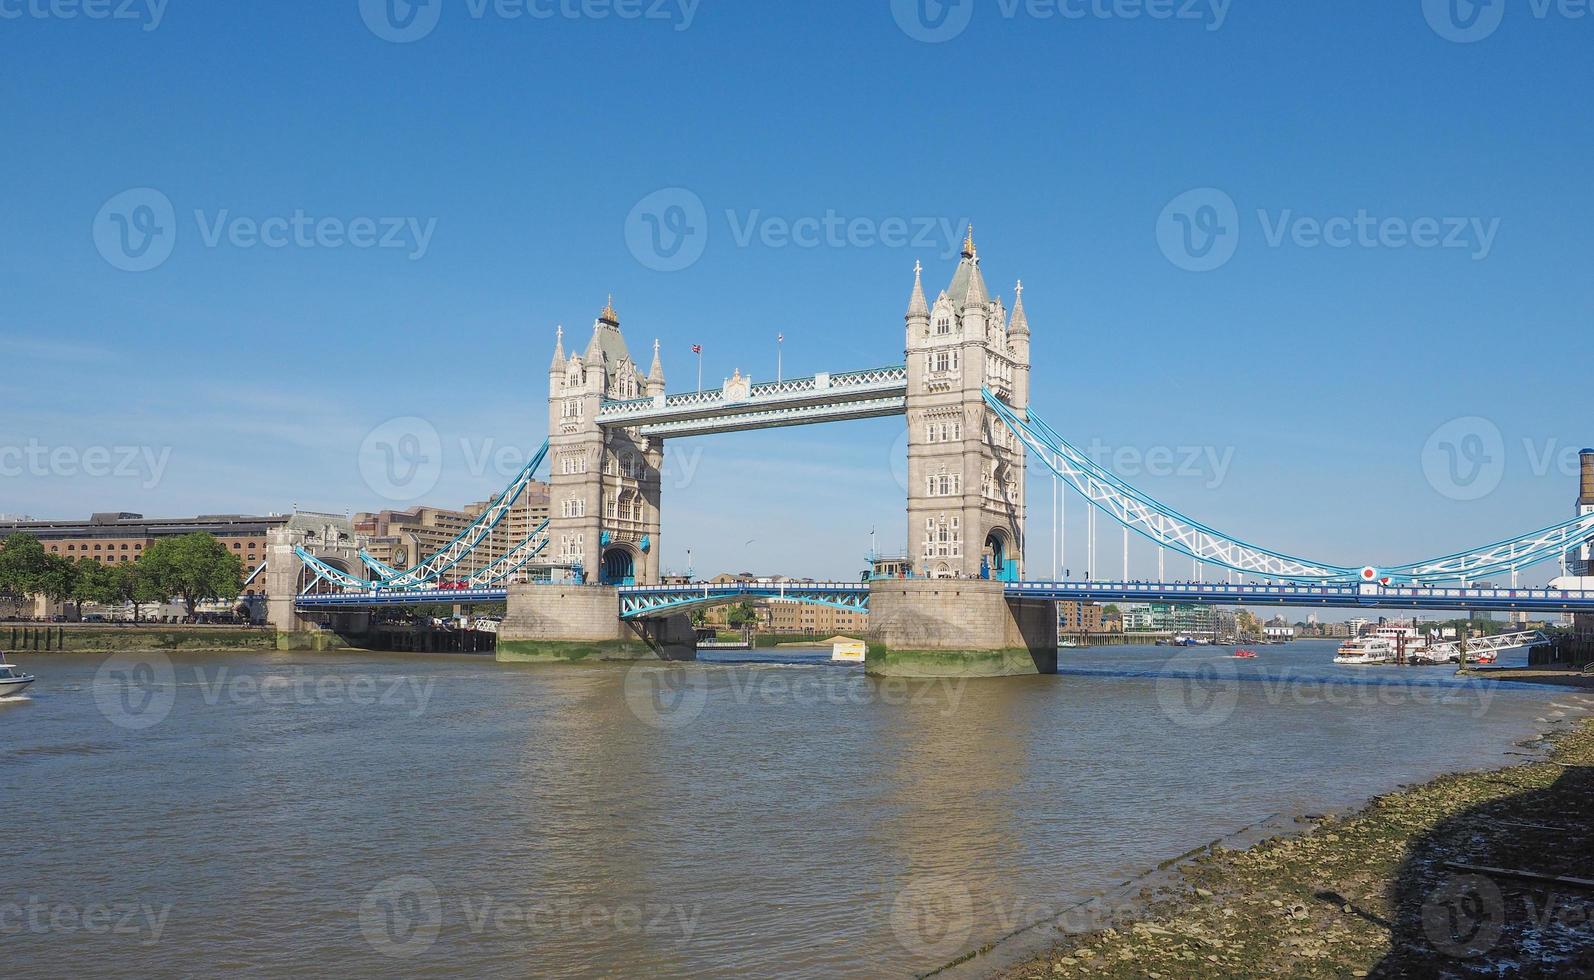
x: 400, y: 538
x: 1079, y: 617
x: 1184, y: 618
x: 118, y: 537
x: 1138, y: 619
x: 1278, y: 629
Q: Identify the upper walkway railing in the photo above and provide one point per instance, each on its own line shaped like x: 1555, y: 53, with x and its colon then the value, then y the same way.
x: 789, y: 397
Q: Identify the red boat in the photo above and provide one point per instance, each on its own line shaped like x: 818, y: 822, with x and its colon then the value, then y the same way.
x: 1245, y: 654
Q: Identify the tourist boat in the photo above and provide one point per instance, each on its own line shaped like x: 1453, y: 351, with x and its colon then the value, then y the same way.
x: 12, y: 680
x: 1366, y: 650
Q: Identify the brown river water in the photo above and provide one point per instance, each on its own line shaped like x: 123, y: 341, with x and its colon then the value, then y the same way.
x: 365, y: 815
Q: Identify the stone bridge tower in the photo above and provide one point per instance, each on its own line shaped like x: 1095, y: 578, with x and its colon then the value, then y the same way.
x: 604, y: 496
x: 965, y: 468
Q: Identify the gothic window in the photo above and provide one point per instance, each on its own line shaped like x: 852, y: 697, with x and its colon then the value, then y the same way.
x: 610, y: 509
x: 943, y: 324
x: 573, y: 507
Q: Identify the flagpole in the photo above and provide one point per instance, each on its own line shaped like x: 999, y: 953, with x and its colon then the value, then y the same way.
x: 700, y: 370
x: 780, y: 339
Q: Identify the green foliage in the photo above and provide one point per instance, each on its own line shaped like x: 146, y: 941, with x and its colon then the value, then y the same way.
x: 741, y: 614
x: 196, y: 567
x: 24, y: 565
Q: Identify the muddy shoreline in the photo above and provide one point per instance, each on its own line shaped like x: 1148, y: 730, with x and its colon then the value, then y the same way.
x: 1386, y: 889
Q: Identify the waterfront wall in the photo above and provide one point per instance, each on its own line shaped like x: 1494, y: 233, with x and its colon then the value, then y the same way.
x: 27, y: 639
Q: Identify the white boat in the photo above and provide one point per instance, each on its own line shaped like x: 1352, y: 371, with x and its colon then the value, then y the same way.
x: 12, y: 680
x: 1366, y: 650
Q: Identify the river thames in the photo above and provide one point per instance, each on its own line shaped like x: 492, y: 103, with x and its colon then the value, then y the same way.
x: 369, y: 814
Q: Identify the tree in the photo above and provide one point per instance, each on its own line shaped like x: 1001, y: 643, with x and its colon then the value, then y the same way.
x: 23, y: 565
x: 133, y: 584
x: 742, y: 614
x: 58, y: 581
x: 196, y: 567
x: 96, y: 583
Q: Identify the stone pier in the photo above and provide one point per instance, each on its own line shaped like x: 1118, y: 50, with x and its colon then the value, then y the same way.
x: 566, y: 623
x: 957, y: 628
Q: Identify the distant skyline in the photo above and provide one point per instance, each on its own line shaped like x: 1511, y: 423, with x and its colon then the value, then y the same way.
x: 1315, y: 275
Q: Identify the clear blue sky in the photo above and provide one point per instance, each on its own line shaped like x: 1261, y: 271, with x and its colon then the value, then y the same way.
x: 524, y: 143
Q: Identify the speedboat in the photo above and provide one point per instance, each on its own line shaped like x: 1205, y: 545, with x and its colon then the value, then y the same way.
x: 12, y: 680
x: 1245, y: 654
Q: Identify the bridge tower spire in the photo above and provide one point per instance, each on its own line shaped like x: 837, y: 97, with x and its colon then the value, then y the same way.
x: 604, y: 494
x: 965, y: 470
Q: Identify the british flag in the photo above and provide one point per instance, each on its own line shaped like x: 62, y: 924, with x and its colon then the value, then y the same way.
x: 697, y: 348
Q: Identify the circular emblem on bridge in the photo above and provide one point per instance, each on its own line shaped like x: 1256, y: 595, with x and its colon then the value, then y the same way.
x: 1369, y: 574
x: 666, y: 698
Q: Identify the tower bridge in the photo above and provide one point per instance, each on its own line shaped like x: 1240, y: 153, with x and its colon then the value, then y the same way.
x: 587, y: 582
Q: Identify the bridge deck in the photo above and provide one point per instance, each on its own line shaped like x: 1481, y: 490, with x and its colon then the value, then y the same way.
x: 799, y: 401
x: 654, y: 600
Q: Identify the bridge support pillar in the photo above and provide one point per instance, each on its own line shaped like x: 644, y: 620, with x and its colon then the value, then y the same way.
x: 566, y: 623
x: 957, y: 628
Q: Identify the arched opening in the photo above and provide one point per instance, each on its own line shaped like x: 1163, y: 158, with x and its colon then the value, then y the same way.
x: 994, y: 559
x: 619, y: 568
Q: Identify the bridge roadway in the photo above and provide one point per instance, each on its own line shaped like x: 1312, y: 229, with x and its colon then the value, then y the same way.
x: 643, y: 601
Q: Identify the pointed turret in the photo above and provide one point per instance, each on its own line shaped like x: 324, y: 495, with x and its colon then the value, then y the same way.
x: 917, y: 306
x: 558, y: 350
x: 656, y: 373
x: 1020, y: 323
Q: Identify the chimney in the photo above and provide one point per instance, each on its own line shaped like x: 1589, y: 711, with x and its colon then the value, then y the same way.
x: 1586, y: 496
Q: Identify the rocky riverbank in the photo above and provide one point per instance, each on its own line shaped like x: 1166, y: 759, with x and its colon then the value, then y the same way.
x: 1470, y: 875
